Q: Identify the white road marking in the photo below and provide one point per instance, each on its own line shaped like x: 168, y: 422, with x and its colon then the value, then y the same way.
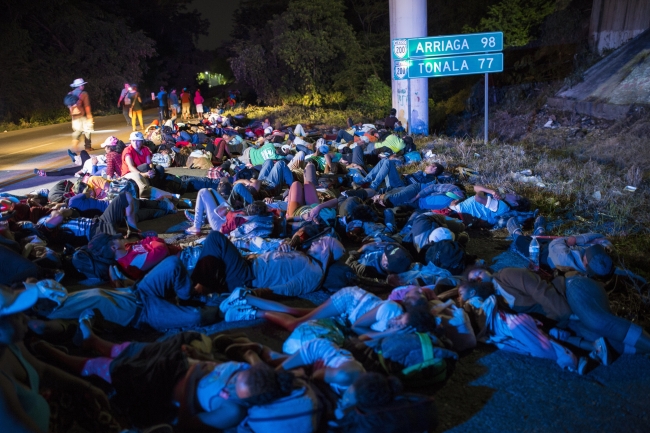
x: 30, y: 148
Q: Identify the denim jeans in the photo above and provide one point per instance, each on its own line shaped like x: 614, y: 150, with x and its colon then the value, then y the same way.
x: 276, y: 174
x: 404, y: 195
x: 158, y: 291
x: 220, y: 266
x: 125, y: 113
x: 240, y: 193
x: 588, y: 300
x: 207, y: 200
x: 387, y: 171
x: 344, y: 135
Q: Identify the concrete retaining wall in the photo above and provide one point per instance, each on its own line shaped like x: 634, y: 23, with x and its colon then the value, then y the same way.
x: 614, y: 22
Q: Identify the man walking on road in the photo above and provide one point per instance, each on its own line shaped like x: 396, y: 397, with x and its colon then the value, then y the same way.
x: 125, y: 101
x: 162, y: 104
x: 185, y: 101
x: 82, y: 118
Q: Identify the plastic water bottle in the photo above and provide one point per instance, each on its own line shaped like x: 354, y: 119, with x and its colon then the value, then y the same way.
x: 533, y: 253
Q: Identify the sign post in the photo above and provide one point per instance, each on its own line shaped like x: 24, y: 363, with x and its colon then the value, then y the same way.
x: 446, y: 56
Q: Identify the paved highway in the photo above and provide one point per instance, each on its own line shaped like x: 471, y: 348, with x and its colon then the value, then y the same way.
x: 46, y: 147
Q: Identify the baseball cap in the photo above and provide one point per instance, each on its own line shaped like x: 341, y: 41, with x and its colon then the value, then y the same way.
x: 448, y: 255
x: 136, y: 135
x: 385, y: 312
x: 99, y: 245
x: 110, y: 141
x: 365, y: 139
x: 441, y: 234
x: 324, y: 148
x: 599, y: 263
x: 399, y: 260
x: 12, y: 302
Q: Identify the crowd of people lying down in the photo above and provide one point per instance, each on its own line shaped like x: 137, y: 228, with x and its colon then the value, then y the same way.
x: 279, y: 212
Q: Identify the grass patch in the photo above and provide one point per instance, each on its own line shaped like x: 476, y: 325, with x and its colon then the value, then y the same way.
x: 293, y: 114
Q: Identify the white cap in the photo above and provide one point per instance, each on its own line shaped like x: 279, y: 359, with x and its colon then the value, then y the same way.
x: 365, y: 139
x: 441, y: 234
x: 136, y: 135
x: 388, y: 310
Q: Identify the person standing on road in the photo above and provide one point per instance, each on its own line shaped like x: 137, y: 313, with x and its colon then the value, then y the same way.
x: 198, y: 101
x: 136, y: 107
x: 174, y: 104
x: 82, y: 118
x: 185, y: 101
x: 125, y: 101
x: 162, y: 104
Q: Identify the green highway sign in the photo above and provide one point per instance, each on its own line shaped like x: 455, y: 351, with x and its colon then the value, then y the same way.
x: 448, y: 66
x: 419, y: 48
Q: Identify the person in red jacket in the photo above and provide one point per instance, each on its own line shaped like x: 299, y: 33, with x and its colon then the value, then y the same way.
x: 133, y: 258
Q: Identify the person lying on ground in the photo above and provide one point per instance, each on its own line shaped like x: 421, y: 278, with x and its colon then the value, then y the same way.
x: 386, y: 171
x: 431, y: 196
x: 22, y: 375
x: 151, y: 379
x: 89, y: 206
x: 525, y: 292
x: 60, y: 227
x: 221, y: 268
x: 93, y: 165
x: 365, y: 313
x: 587, y: 254
x: 160, y: 300
x: 134, y: 259
x: 488, y: 207
x: 379, y: 259
x: 510, y: 331
x: 422, y: 229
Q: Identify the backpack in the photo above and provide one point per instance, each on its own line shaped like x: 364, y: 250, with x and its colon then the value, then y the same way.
x: 299, y: 412
x: 89, y: 265
x: 430, y: 371
x: 408, y: 413
x: 446, y: 254
x: 71, y: 100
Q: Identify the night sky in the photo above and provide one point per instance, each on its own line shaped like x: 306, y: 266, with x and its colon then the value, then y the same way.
x: 219, y: 13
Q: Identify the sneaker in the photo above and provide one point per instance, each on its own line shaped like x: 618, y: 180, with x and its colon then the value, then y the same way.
x: 236, y: 298
x: 189, y: 215
x: 513, y: 227
x: 193, y: 230
x: 71, y: 154
x: 241, y: 312
x: 40, y: 172
x: 540, y: 226
x: 601, y: 352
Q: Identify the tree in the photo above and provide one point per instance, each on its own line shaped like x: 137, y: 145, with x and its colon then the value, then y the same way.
x: 517, y: 19
x: 309, y: 49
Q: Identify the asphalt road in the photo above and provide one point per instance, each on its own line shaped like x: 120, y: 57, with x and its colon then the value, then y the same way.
x: 46, y: 147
